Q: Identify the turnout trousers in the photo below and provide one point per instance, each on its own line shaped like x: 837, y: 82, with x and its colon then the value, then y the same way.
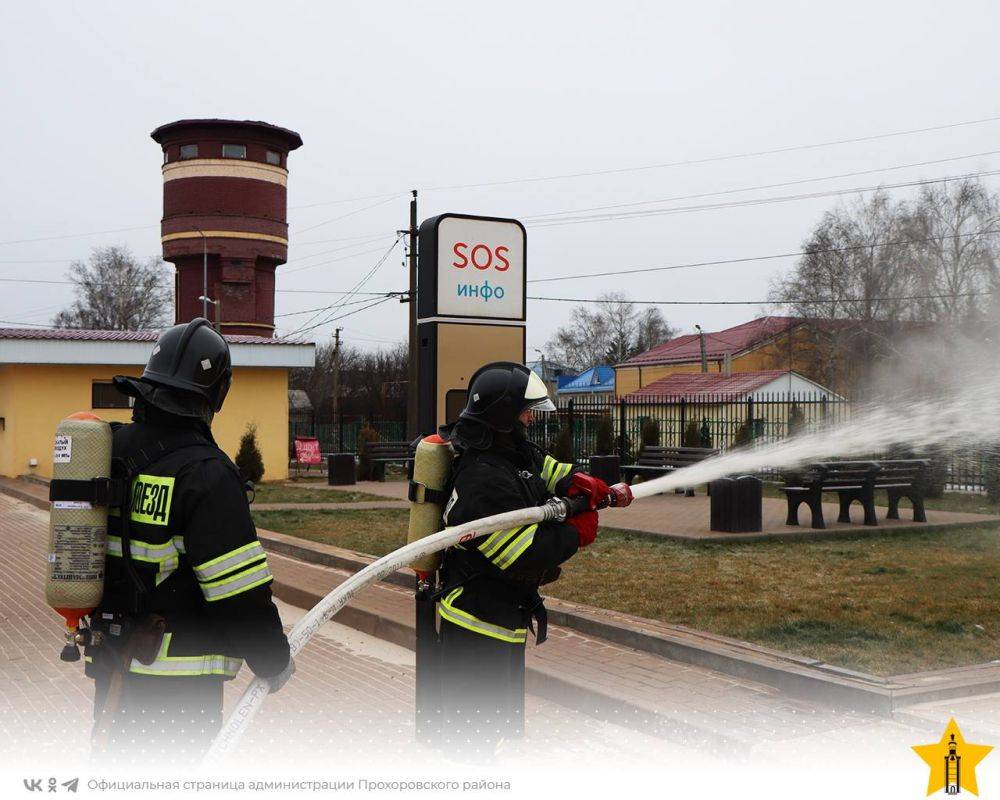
x: 483, y: 690
x: 157, y: 720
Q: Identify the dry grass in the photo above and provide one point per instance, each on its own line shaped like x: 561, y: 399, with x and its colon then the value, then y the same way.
x: 280, y: 492
x: 372, y: 531
x: 886, y: 604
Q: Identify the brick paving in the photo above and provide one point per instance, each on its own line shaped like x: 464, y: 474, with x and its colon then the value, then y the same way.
x: 352, y: 694
x: 687, y: 518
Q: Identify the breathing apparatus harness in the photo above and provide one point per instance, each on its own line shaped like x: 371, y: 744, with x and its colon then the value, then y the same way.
x: 131, y: 631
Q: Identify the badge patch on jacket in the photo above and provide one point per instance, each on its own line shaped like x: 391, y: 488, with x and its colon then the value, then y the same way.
x: 151, y: 496
x: 451, y: 504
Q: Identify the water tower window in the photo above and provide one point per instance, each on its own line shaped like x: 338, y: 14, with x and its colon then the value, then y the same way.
x: 234, y: 151
x: 189, y: 151
x: 274, y: 157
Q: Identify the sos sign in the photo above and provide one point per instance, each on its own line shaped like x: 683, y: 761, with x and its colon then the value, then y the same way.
x: 479, y: 268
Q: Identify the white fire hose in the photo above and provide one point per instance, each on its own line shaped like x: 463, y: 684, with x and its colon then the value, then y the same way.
x: 325, y: 609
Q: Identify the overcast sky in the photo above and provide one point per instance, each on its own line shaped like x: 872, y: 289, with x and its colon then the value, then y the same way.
x: 392, y: 96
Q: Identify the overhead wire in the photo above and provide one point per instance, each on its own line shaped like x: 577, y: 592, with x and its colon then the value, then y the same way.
x: 714, y: 159
x: 767, y: 257
x: 345, y: 216
x: 333, y: 307
x: 754, y: 201
x: 763, y: 302
x: 797, y: 182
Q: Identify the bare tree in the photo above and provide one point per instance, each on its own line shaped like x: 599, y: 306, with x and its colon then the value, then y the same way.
x: 372, y: 383
x: 115, y: 291
x: 954, y: 228
x: 849, y: 287
x: 609, y: 331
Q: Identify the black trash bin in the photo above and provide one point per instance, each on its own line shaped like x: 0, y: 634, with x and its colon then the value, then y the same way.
x: 607, y: 468
x: 737, y: 505
x: 340, y: 469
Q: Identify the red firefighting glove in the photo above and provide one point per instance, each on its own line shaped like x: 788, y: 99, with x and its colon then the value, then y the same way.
x: 595, y: 489
x: 586, y: 527
x: 621, y: 495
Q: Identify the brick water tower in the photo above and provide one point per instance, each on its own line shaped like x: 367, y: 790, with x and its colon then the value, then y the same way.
x: 224, y: 203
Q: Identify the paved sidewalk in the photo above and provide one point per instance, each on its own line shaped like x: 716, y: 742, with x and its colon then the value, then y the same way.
x: 687, y: 518
x: 351, y: 697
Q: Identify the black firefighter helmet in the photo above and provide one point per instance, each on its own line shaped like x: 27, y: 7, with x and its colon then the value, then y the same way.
x: 188, y: 373
x: 501, y: 391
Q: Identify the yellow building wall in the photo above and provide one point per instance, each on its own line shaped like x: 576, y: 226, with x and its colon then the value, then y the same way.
x: 34, y: 397
x: 780, y: 353
x: 7, y: 429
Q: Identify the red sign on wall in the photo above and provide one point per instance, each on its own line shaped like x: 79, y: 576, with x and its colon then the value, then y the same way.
x: 307, y: 450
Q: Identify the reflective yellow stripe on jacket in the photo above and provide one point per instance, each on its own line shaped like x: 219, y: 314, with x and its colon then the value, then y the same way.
x: 175, y: 666
x: 554, y: 471
x: 165, y: 555
x: 504, y: 547
x: 234, y: 572
x: 465, y: 620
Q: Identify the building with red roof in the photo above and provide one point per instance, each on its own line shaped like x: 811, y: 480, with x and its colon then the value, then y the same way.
x: 765, y: 343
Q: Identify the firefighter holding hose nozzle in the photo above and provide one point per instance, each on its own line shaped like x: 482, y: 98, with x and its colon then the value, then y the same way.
x: 186, y: 591
x: 490, y: 596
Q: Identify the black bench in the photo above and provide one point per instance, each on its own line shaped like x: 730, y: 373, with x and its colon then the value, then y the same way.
x: 857, y: 481
x: 657, y: 461
x: 382, y: 453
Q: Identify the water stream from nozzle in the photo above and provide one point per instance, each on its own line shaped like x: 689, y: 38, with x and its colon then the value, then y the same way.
x: 966, y: 415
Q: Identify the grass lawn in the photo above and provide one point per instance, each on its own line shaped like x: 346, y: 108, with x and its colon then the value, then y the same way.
x: 374, y: 531
x: 279, y: 492
x: 885, y: 604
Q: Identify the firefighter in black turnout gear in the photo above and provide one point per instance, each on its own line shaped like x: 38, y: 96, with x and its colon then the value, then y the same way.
x: 186, y: 596
x: 490, y: 598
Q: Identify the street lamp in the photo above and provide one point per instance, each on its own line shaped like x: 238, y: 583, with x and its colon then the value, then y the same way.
x: 205, y: 300
x: 204, y: 276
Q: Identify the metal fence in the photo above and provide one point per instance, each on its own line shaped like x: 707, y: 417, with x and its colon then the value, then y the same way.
x: 721, y: 422
x: 716, y: 421
x: 342, y: 437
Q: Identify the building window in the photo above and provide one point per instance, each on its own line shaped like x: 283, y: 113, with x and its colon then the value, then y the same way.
x: 234, y: 151
x: 189, y: 151
x: 103, y: 394
x: 274, y: 157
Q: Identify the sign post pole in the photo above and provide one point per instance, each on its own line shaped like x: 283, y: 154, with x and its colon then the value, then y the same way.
x: 470, y: 309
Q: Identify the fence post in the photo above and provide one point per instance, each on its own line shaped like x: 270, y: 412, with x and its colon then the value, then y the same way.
x: 572, y: 432
x: 621, y: 430
x: 680, y: 434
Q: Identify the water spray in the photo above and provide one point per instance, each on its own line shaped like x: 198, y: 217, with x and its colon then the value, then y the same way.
x: 971, y: 414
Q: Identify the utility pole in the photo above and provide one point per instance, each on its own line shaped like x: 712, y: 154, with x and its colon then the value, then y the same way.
x: 336, y: 382
x: 411, y: 377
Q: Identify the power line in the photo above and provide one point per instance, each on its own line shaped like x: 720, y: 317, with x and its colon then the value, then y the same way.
x: 346, y: 200
x: 362, y: 243
x: 334, y: 306
x: 760, y: 201
x: 762, y: 186
x: 712, y: 159
x: 345, y: 216
x: 302, y: 331
x: 323, y: 308
x: 762, y: 302
x: 769, y: 257
x: 78, y: 235
x: 332, y: 260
